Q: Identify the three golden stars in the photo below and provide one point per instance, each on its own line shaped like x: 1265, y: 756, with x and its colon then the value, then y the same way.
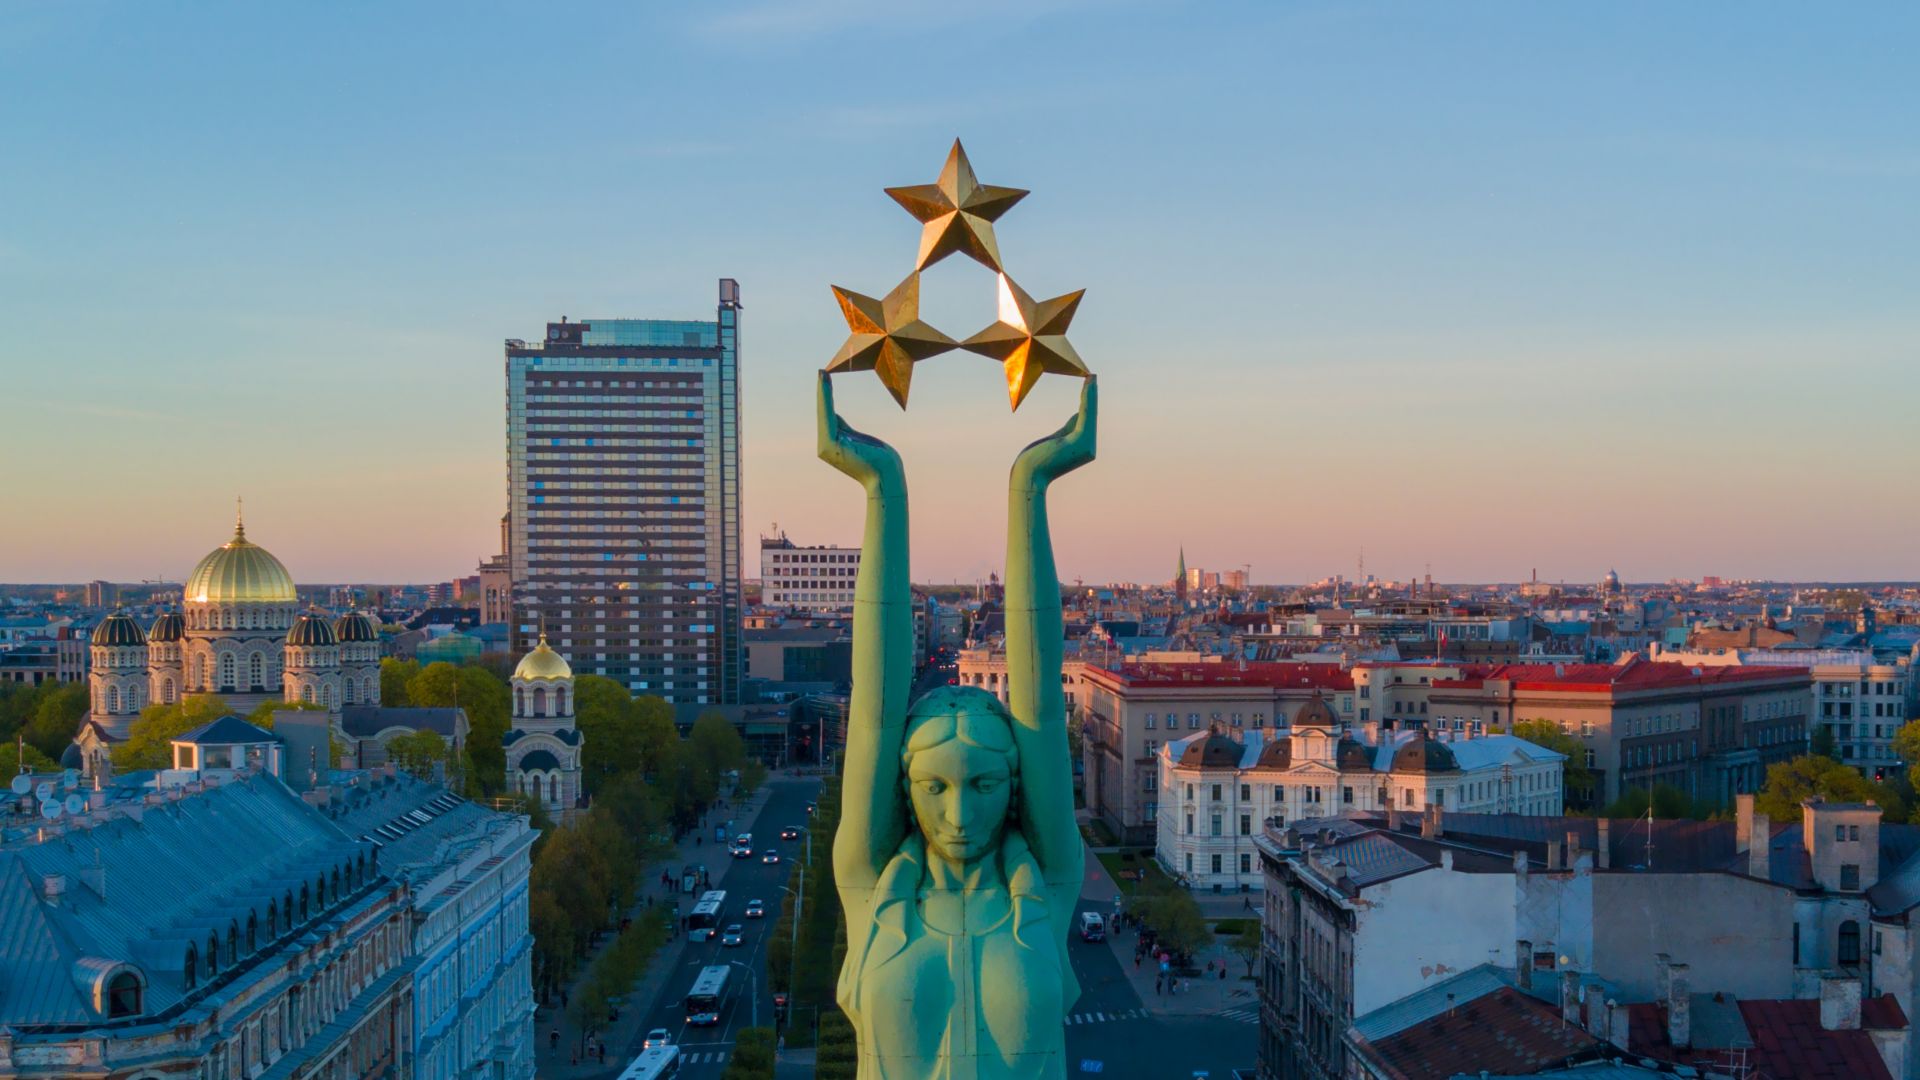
x: 957, y: 215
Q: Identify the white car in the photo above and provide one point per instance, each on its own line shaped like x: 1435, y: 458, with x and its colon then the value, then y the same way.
x: 733, y: 936
x: 657, y: 1037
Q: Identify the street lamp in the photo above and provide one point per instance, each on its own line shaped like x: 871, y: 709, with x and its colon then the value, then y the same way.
x: 753, y: 991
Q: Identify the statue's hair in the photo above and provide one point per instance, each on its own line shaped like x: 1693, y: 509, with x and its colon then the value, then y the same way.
x: 967, y: 713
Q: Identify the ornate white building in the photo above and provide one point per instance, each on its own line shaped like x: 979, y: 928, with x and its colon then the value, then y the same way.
x: 543, y: 749
x: 1219, y: 790
x: 239, y: 634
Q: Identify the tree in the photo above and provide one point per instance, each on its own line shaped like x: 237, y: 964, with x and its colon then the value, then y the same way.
x: 1823, y: 744
x: 1906, y: 742
x: 716, y: 744
x: 1575, y: 776
x: 753, y: 1055
x: 610, y: 739
x: 56, y: 717
x: 1667, y: 802
x: 1789, y: 783
x: 417, y: 751
x: 394, y: 675
x: 149, y: 742
x: 659, y: 736
x: 13, y: 754
x: 262, y: 714
x: 1246, y: 945
x: 488, y: 705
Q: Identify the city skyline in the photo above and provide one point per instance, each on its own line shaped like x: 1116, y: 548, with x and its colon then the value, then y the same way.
x: 1573, y: 296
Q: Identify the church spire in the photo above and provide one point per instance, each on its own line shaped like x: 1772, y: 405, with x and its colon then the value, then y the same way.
x: 239, y: 518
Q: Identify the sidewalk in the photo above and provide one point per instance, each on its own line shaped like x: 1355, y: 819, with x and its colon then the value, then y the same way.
x: 623, y: 1035
x: 1204, y: 996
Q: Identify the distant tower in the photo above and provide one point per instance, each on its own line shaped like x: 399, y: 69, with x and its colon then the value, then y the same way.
x: 165, y: 676
x: 359, y: 659
x: 313, y: 662
x: 118, y: 685
x: 543, y: 749
x: 1180, y: 577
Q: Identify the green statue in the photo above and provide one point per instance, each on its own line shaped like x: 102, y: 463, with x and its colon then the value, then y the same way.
x: 958, y: 860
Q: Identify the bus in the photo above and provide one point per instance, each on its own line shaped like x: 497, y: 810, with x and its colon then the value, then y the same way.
x: 655, y: 1064
x: 707, y: 911
x: 708, y: 996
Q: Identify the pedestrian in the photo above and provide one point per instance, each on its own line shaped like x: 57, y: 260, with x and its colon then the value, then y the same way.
x: 1246, y: 903
x: 1156, y: 986
x: 1136, y: 961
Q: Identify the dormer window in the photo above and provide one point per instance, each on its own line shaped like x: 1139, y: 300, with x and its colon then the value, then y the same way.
x: 190, y: 970
x: 124, y: 994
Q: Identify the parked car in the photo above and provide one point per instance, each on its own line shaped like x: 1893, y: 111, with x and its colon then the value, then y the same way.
x: 756, y: 910
x: 1092, y: 926
x: 657, y: 1037
x: 770, y: 857
x: 733, y: 936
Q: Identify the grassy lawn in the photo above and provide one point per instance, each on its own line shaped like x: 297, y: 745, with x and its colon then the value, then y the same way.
x: 1098, y: 835
x: 1131, y: 870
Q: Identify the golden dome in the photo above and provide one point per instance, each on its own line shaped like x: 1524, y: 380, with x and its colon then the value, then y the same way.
x: 240, y: 571
x: 543, y: 663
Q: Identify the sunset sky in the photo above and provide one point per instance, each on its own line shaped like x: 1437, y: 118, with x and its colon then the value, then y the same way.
x: 1488, y: 287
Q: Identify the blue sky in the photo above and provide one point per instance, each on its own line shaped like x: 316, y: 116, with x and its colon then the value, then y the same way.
x: 1486, y: 286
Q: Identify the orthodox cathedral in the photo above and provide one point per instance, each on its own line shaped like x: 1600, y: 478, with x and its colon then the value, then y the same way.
x: 240, y: 633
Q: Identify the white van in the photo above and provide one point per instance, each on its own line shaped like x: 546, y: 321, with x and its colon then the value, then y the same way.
x: 1092, y: 926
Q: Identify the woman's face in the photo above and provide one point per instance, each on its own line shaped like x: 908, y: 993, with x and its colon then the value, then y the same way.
x: 960, y: 796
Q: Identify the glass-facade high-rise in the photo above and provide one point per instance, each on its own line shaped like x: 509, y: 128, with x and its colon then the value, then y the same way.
x: 623, y: 487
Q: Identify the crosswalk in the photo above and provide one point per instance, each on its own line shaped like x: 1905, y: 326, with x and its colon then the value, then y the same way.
x: 1241, y: 1016
x: 1105, y: 1017
x: 704, y: 1057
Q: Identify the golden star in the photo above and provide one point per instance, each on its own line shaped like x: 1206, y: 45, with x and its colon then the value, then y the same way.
x: 888, y: 336
x: 1030, y: 339
x: 957, y: 214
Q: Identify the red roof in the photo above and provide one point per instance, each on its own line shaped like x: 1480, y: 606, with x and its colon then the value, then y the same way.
x: 1502, y: 1032
x: 1789, y: 1041
x: 1605, y: 678
x: 1786, y: 1040
x: 1230, y: 673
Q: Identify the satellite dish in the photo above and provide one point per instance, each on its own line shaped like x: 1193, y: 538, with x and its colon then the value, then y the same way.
x: 44, y: 791
x: 71, y: 778
x: 50, y: 810
x: 76, y: 804
x: 22, y: 783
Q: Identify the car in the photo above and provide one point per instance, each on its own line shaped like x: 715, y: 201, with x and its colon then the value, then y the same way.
x: 953, y: 682
x: 810, y: 809
x: 741, y: 851
x: 756, y: 910
x: 733, y: 936
x: 1092, y: 926
x: 791, y: 832
x: 657, y: 1037
x: 770, y: 857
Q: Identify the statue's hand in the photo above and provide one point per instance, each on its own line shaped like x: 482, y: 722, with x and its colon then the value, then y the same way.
x: 1067, y: 449
x: 861, y: 456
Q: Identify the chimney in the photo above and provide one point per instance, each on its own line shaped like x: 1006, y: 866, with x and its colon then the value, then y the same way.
x: 1553, y: 855
x: 1603, y: 843
x: 1839, y: 1003
x: 1679, y: 1006
x: 1892, y: 1044
x: 1446, y: 859
x: 1743, y: 822
x: 1573, y: 848
x: 1662, y: 975
x: 1523, y: 964
x: 54, y: 886
x: 1428, y: 830
x: 1520, y: 867
x: 1570, y: 996
x: 1759, y: 850
x: 1439, y: 822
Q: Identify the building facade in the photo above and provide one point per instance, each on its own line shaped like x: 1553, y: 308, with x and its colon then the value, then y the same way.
x: 465, y: 870
x: 810, y: 578
x: 623, y: 485
x: 1218, y: 792
x: 214, y: 929
x: 1128, y: 712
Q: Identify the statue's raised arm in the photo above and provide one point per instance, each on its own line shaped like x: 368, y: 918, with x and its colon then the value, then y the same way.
x: 872, y: 818
x: 1034, y: 642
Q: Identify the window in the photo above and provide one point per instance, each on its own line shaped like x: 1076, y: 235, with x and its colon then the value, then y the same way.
x: 1346, y: 795
x: 1149, y: 721
x: 1839, y: 832
x: 1853, y: 832
x: 1246, y: 867
x: 1189, y: 823
x: 123, y: 994
x: 1216, y: 869
x: 1216, y: 793
x: 1246, y: 792
x: 1850, y: 879
x: 1246, y: 824
x: 1849, y: 943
